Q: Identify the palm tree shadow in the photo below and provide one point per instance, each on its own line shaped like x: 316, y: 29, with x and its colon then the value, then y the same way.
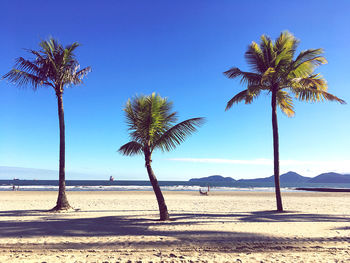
x: 342, y: 228
x: 265, y: 216
x: 150, y: 232
x: 21, y: 213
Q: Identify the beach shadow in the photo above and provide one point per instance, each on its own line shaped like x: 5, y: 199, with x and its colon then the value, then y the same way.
x: 143, y: 233
x: 114, y: 231
x: 21, y: 213
x: 48, y: 212
x: 265, y: 216
x: 342, y: 228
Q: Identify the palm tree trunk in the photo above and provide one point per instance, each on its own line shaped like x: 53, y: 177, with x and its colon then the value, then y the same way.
x: 276, y: 164
x: 163, y: 210
x: 62, y: 202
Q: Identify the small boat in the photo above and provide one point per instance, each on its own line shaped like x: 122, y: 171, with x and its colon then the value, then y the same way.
x: 111, y: 178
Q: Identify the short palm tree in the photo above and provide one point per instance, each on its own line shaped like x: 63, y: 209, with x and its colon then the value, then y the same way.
x: 276, y: 70
x: 151, y: 124
x: 52, y: 66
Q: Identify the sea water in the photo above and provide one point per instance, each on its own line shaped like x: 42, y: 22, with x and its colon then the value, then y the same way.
x: 131, y: 185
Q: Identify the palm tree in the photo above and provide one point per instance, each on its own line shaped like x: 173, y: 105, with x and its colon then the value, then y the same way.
x: 52, y: 66
x: 151, y: 126
x: 275, y: 70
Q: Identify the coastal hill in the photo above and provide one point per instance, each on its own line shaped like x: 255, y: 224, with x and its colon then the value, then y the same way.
x: 289, y: 177
x: 213, y: 178
x: 331, y: 178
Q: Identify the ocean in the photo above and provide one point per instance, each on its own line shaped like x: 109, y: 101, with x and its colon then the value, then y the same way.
x: 131, y: 185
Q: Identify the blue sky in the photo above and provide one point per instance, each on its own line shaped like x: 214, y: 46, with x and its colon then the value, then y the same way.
x: 178, y: 49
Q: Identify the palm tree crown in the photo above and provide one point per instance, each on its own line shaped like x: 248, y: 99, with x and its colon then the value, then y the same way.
x: 53, y: 65
x: 274, y: 68
x: 151, y: 125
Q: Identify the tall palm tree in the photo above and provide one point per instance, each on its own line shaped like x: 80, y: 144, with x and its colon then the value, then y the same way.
x: 151, y: 125
x: 276, y: 70
x: 52, y: 66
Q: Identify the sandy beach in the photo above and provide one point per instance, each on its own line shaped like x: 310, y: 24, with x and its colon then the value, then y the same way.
x: 221, y: 227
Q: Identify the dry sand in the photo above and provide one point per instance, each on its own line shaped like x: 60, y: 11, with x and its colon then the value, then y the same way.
x: 221, y: 227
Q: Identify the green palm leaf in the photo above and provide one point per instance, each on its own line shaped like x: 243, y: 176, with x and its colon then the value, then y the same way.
x: 22, y: 78
x: 131, y: 148
x: 177, y: 134
x: 247, y: 95
x: 285, y: 102
x: 246, y: 77
x: 314, y: 95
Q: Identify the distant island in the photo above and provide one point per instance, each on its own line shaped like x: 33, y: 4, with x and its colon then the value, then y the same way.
x: 213, y: 178
x: 289, y: 177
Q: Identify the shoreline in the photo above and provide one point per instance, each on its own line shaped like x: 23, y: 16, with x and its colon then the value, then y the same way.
x: 325, y: 189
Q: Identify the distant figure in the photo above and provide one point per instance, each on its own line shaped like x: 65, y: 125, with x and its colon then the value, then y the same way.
x: 204, y: 192
x: 111, y: 178
x: 13, y: 187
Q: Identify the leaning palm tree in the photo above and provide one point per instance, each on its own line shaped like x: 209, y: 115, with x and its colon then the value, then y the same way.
x: 151, y: 124
x: 52, y: 66
x: 276, y: 70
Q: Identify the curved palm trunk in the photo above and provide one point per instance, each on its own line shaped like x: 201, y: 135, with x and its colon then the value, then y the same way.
x: 276, y: 164
x: 163, y: 210
x: 62, y: 202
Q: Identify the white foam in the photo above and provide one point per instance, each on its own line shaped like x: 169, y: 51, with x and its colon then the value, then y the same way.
x: 138, y: 188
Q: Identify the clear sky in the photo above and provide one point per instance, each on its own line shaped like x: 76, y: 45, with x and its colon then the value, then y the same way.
x: 178, y: 49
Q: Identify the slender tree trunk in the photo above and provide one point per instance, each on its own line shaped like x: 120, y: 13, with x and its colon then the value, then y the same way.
x: 163, y: 210
x: 276, y: 164
x: 62, y: 202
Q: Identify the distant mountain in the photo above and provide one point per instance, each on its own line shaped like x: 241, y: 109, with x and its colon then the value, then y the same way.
x: 213, y: 178
x: 290, y: 177
x: 331, y: 178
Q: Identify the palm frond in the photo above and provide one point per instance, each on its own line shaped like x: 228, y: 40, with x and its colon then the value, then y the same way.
x: 131, y: 148
x: 268, y: 74
x: 177, y: 134
x: 314, y: 95
x: 23, y: 79
x: 285, y: 47
x: 266, y: 47
x: 248, y: 78
x: 27, y: 66
x: 236, y: 99
x: 313, y: 81
x: 255, y: 58
x: 285, y: 102
x: 77, y: 77
x: 309, y: 54
x: 247, y: 95
x: 305, y: 64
